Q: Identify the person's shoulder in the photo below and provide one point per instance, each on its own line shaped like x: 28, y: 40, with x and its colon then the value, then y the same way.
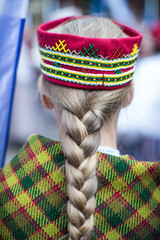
x: 44, y: 149
x: 36, y: 152
x: 126, y: 169
x: 38, y: 143
x: 33, y: 177
x: 128, y: 160
x: 37, y: 146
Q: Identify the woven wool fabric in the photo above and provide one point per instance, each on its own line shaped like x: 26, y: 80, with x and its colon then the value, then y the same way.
x: 33, y: 196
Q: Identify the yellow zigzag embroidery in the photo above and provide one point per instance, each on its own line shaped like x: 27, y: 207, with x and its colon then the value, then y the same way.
x: 61, y: 46
x: 134, y: 50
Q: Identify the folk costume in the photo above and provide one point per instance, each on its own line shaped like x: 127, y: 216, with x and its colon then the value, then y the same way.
x: 33, y: 195
x: 33, y: 186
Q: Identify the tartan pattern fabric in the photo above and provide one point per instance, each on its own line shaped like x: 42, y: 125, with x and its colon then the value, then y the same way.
x: 33, y: 196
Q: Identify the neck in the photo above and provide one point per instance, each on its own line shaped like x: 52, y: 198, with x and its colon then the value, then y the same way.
x: 109, y: 133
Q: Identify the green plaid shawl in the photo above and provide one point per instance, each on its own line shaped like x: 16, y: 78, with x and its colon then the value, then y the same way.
x: 33, y: 196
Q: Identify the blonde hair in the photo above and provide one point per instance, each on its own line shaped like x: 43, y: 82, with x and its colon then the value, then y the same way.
x: 83, y: 115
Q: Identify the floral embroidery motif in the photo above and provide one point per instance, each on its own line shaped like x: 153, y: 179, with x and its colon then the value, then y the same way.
x: 60, y: 47
x: 134, y: 50
x: 90, y: 50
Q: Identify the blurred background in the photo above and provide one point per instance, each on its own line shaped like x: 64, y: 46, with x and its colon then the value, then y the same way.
x: 139, y: 124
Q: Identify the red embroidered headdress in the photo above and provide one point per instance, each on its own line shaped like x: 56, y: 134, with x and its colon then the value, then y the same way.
x: 90, y: 63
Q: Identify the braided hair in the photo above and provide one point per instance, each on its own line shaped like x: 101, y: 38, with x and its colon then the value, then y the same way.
x: 83, y: 115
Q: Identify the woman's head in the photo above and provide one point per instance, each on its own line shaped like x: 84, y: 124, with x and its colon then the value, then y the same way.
x: 83, y: 113
x: 90, y: 27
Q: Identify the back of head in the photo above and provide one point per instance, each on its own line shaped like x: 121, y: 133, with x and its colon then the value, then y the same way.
x: 84, y: 113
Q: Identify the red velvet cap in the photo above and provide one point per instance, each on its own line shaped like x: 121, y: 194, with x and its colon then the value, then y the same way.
x: 89, y: 63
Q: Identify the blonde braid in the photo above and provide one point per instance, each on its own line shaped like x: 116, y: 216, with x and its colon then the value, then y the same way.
x: 80, y: 145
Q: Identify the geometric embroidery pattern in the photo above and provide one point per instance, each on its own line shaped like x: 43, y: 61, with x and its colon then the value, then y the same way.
x: 87, y: 79
x: 117, y: 53
x: 119, y: 71
x: 73, y: 60
x: 60, y: 47
x: 134, y: 50
x: 33, y: 196
x: 87, y: 51
x: 87, y: 59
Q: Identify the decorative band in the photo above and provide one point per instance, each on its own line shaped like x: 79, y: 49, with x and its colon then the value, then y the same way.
x: 91, y: 63
x: 85, y: 78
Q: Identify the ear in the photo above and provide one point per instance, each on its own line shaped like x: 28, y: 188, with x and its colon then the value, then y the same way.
x: 47, y: 102
x: 130, y: 96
